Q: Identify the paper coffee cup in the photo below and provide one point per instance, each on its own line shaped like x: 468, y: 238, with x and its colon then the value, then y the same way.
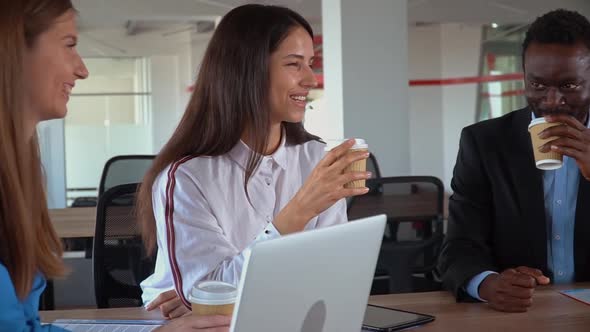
x: 213, y: 298
x: 359, y: 165
x: 544, y: 160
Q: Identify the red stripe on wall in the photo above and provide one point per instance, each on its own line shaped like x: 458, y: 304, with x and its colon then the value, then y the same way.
x: 468, y: 80
x: 443, y: 81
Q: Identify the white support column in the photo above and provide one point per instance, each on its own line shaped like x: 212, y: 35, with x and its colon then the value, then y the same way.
x: 366, y: 76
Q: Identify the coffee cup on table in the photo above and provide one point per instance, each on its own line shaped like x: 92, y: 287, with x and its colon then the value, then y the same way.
x: 213, y: 298
x: 544, y: 160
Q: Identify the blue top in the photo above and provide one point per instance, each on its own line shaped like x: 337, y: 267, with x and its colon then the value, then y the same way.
x: 17, y: 315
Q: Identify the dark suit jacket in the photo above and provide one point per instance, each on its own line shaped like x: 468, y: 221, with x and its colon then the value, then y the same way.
x: 496, y: 213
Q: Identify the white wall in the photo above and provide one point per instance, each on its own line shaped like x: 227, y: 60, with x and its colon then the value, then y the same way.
x: 365, y: 54
x: 198, y: 46
x: 172, y: 75
x: 438, y: 113
x: 426, y: 113
x: 165, y: 98
x: 460, y: 58
x: 52, y: 148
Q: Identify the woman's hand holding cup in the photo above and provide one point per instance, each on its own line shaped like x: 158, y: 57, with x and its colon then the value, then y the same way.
x: 324, y: 187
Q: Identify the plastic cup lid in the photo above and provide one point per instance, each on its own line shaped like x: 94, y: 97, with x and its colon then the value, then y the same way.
x: 537, y: 121
x: 213, y: 292
x: 360, y: 143
x: 549, y: 164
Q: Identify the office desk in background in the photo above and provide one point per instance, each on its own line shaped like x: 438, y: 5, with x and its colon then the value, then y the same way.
x: 80, y: 222
x: 551, y: 311
x: 397, y: 206
x: 74, y: 222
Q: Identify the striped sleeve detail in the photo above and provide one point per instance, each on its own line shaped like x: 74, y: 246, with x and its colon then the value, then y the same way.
x: 170, y: 228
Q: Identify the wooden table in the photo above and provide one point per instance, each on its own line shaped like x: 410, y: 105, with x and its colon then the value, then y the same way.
x: 74, y: 222
x: 118, y: 313
x: 551, y: 311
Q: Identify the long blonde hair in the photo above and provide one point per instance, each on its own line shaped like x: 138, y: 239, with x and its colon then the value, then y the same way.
x: 28, y: 242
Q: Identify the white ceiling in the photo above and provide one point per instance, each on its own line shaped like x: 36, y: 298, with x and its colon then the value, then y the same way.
x: 103, y: 22
x: 109, y: 13
x: 487, y: 11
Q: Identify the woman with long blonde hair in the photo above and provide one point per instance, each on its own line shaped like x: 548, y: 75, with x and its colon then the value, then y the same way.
x: 39, y: 66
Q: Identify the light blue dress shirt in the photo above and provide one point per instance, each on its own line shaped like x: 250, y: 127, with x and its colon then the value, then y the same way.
x: 560, y: 188
x: 561, y: 195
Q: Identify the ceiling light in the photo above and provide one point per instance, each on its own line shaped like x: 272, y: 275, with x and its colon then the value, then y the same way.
x: 494, y: 25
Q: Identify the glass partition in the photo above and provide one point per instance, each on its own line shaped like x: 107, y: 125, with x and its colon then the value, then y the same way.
x: 109, y: 114
x: 501, y: 55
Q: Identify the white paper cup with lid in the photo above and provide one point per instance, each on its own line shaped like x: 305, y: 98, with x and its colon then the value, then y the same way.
x: 544, y: 160
x: 359, y: 165
x: 213, y: 298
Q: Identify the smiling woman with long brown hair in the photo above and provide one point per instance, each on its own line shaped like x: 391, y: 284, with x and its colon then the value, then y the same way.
x: 240, y: 167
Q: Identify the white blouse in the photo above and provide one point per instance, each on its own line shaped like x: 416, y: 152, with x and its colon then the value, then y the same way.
x: 205, y: 222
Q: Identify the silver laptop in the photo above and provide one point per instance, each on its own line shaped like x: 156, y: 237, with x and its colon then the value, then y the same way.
x: 314, y: 281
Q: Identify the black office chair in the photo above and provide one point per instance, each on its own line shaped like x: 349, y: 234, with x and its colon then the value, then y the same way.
x: 373, y: 166
x: 85, y: 201
x: 117, y: 170
x: 77, y: 244
x: 124, y: 169
x: 119, y: 259
x: 406, y: 199
x: 397, y: 266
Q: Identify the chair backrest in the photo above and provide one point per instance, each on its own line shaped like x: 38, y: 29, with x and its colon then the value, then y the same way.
x: 373, y: 166
x: 397, y: 261
x: 85, y: 244
x: 124, y: 169
x: 84, y: 201
x: 119, y: 259
x: 405, y: 199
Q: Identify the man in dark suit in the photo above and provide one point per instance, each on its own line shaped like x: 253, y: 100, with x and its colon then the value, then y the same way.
x: 512, y: 226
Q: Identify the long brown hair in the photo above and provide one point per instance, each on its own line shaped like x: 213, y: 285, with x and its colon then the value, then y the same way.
x: 230, y: 96
x: 28, y: 242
